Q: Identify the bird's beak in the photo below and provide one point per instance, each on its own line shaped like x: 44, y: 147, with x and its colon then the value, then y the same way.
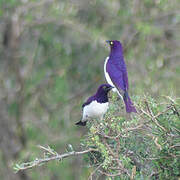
x: 110, y: 88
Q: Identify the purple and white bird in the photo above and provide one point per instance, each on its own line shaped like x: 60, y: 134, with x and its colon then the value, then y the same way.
x: 96, y: 105
x: 116, y: 73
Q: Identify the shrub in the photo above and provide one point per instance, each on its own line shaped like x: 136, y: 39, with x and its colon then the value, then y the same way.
x: 137, y: 146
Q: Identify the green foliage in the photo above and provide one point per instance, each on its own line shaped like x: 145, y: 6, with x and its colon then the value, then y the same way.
x: 147, y: 142
x: 56, y: 62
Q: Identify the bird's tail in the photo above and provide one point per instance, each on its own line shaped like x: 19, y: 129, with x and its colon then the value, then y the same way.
x: 80, y: 123
x: 129, y: 105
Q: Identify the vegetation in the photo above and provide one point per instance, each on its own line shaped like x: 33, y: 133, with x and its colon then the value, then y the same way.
x: 51, y: 60
x: 143, y: 146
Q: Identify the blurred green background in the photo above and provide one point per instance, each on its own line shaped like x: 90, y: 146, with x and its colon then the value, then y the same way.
x: 51, y: 59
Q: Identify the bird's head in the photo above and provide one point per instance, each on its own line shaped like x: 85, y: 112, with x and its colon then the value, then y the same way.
x: 104, y: 88
x: 114, y: 44
x: 102, y: 93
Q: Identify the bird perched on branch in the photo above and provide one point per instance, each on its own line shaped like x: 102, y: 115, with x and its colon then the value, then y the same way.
x: 116, y: 73
x: 96, y: 105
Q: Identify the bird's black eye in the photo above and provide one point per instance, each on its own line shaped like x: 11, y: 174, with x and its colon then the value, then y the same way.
x: 111, y: 43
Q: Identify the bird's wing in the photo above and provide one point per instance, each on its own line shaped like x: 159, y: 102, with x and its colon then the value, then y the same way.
x: 118, y: 74
x: 89, y: 100
x: 85, y: 104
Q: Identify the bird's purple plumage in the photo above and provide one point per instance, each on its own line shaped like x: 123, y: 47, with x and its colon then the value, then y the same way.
x: 116, y: 68
x: 100, y: 96
x: 128, y: 103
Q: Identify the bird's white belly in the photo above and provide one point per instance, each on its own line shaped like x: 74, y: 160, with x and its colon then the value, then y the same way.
x: 94, y: 110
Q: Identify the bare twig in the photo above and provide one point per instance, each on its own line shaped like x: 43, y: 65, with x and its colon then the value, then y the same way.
x: 133, y: 173
x: 120, y: 134
x: 91, y: 175
x: 176, y: 111
x: 48, y: 149
x: 156, y: 143
x: 55, y: 156
x: 116, y: 158
x: 151, y: 115
x: 109, y: 175
x: 163, y: 112
x: 175, y: 146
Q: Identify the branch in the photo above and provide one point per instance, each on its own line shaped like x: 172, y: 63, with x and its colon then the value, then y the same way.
x: 110, y: 175
x: 91, y: 175
x: 52, y: 155
x: 151, y: 115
